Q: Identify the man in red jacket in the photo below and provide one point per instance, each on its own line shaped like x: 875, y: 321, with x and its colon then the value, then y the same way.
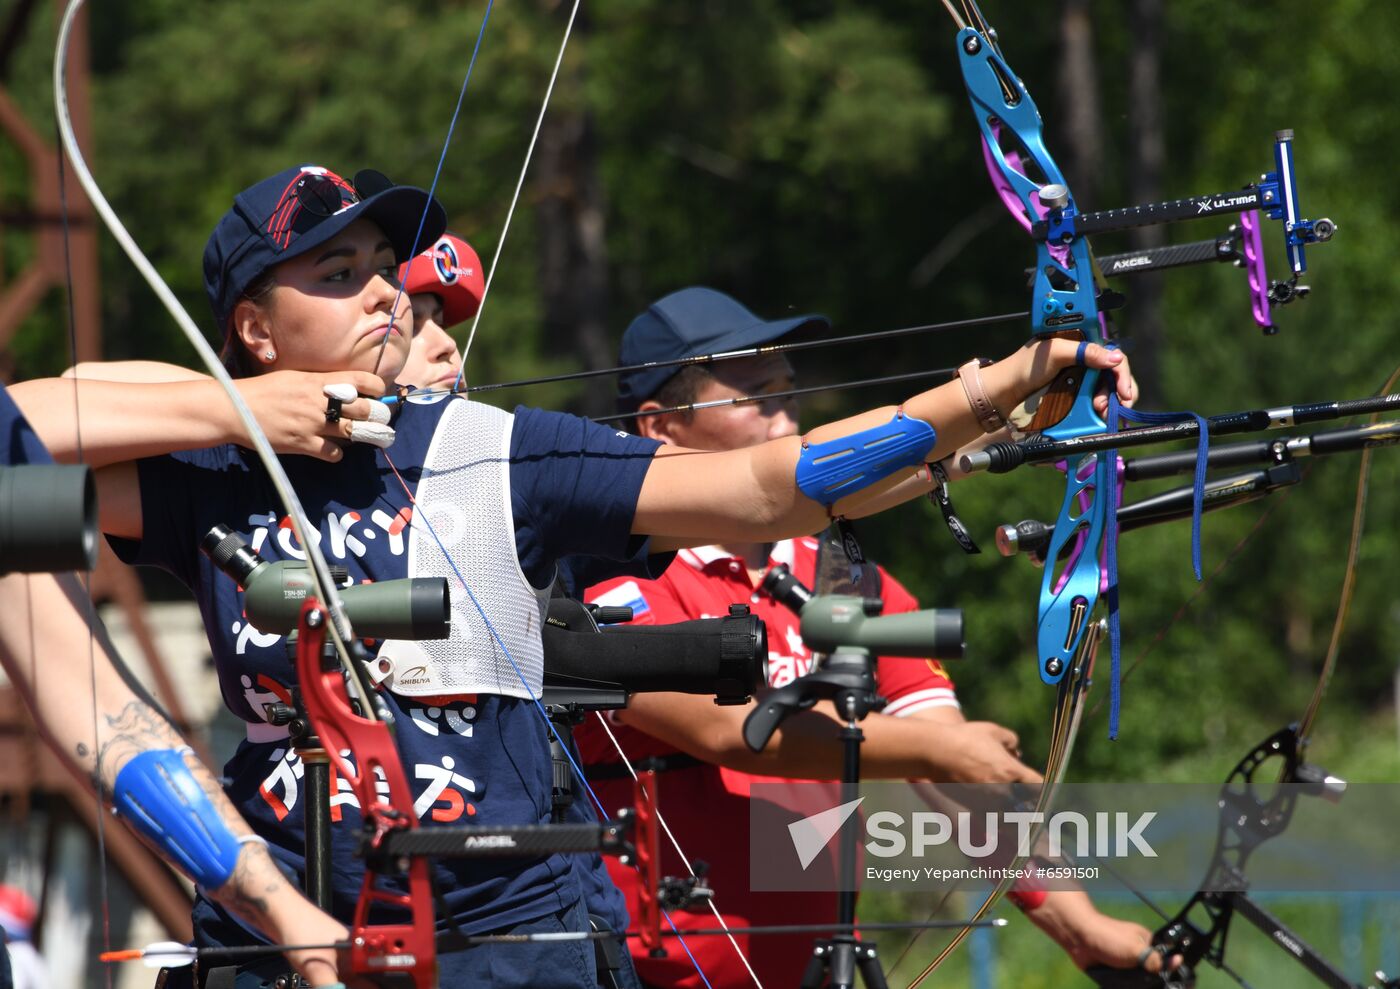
x: 706, y: 770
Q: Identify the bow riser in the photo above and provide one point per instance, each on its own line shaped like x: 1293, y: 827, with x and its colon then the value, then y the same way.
x: 406, y: 950
x: 1068, y: 594
x: 1063, y: 299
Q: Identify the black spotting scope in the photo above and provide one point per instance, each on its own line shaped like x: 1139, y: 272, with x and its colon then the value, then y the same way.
x: 782, y: 585
x: 273, y: 593
x: 48, y: 518
x: 726, y: 656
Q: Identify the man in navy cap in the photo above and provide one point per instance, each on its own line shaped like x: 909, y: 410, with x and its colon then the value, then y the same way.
x: 708, y: 771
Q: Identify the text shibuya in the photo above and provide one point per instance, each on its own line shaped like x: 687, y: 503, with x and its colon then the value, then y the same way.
x: 1103, y: 834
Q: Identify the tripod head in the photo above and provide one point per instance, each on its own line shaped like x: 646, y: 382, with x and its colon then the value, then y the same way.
x: 848, y: 628
x: 846, y: 677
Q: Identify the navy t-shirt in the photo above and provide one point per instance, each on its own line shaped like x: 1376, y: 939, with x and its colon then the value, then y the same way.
x: 18, y: 443
x: 475, y: 759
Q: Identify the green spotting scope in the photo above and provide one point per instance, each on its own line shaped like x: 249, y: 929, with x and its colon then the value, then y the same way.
x: 411, y: 608
x: 833, y: 622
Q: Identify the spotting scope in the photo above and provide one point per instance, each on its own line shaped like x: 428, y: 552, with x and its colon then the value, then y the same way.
x: 48, y: 518
x: 408, y: 608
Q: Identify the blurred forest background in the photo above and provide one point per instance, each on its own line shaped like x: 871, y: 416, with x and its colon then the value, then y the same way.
x: 817, y: 155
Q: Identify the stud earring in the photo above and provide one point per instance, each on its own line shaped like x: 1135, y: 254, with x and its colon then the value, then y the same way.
x: 272, y: 355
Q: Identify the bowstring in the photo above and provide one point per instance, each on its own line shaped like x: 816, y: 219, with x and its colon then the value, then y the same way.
x: 651, y: 797
x: 432, y: 187
x: 84, y: 578
x: 534, y: 698
x: 515, y: 198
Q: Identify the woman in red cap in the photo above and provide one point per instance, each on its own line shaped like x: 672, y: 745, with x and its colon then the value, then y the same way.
x: 444, y: 285
x: 302, y: 277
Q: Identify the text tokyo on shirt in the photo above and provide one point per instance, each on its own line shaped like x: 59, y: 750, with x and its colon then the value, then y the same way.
x: 477, y: 758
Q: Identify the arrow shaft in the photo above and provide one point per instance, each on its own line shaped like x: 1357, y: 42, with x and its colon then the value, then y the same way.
x: 779, y: 395
x: 1002, y: 457
x: 765, y: 350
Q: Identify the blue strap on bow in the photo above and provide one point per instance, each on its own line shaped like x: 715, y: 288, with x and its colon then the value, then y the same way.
x: 1115, y: 410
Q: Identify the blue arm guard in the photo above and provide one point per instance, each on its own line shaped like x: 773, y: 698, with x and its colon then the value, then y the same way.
x: 157, y: 795
x: 829, y: 471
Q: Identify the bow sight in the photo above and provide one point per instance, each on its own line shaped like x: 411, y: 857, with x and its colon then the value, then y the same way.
x: 1276, y: 194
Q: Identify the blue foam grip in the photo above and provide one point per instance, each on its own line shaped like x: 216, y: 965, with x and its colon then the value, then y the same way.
x: 157, y: 795
x: 827, y: 472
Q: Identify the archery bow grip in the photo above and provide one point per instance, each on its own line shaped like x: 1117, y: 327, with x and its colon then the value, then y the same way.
x: 1139, y: 978
x: 394, y: 955
x: 1049, y: 406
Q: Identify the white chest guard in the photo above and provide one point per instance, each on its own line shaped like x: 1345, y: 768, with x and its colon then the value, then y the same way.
x: 464, y: 495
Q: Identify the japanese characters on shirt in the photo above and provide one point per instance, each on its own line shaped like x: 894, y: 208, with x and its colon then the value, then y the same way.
x: 573, y: 489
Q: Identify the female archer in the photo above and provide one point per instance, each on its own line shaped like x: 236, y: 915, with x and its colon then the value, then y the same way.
x: 301, y: 276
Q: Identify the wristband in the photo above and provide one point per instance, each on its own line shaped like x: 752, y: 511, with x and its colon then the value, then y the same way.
x: 970, y: 376
x: 1027, y: 893
x: 1027, y: 900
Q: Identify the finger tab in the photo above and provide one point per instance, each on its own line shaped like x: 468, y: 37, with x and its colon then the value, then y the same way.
x: 344, y: 391
x: 372, y: 433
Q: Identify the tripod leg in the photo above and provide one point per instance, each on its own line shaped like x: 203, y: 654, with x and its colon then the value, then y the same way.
x: 813, y: 975
x: 870, y: 971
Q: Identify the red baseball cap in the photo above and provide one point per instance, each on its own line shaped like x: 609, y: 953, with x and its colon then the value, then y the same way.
x: 17, y: 913
x: 450, y: 270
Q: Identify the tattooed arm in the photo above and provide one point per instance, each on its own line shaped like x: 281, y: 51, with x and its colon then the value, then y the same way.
x: 45, y: 647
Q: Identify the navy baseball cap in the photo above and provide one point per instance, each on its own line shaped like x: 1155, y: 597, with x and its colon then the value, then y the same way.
x: 301, y: 208
x: 689, y: 323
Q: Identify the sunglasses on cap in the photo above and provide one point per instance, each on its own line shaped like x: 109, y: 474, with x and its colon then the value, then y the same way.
x: 314, y: 196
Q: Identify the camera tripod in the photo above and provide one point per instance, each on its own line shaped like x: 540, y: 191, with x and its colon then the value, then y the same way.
x: 847, y: 678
